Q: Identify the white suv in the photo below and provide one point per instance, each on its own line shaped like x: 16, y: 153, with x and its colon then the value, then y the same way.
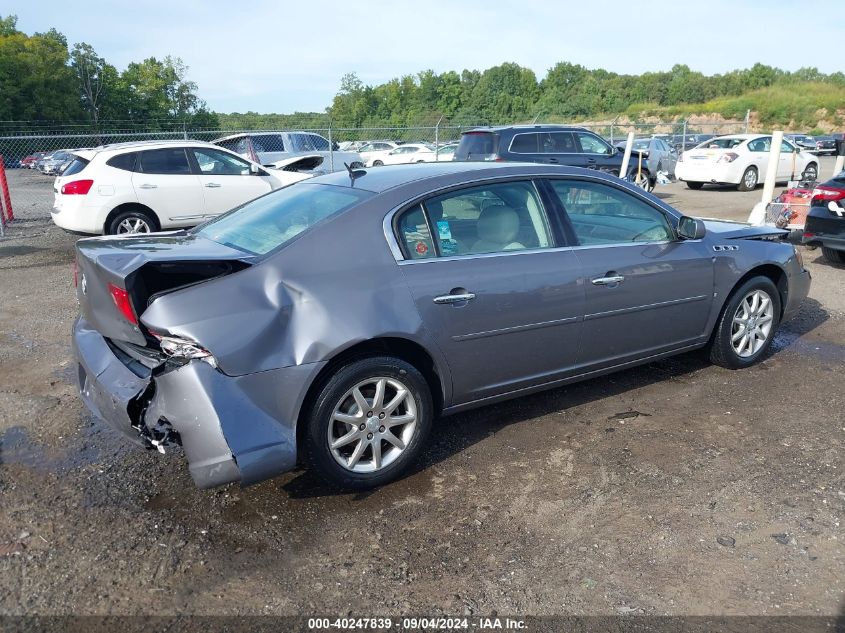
x: 143, y: 187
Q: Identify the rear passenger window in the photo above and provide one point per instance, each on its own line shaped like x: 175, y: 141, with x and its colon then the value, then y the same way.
x: 605, y: 215
x: 490, y: 219
x: 415, y: 235
x: 165, y: 161
x: 123, y: 161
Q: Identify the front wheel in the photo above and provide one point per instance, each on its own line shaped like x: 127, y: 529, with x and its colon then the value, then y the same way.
x: 811, y: 172
x: 642, y: 180
x: 694, y: 185
x: 747, y: 326
x: 369, y: 423
x: 377, y: 163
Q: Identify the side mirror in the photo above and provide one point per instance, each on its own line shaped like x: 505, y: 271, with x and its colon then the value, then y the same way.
x: 254, y: 169
x: 691, y: 228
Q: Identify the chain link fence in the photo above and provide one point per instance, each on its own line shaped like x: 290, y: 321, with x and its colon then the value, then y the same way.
x: 26, y: 149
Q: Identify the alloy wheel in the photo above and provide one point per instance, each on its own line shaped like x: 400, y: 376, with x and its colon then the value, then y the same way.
x: 133, y: 225
x: 750, y: 179
x: 752, y: 323
x: 372, y: 424
x: 811, y: 173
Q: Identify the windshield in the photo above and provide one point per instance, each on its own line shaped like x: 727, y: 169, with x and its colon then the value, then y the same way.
x: 722, y: 143
x: 271, y: 221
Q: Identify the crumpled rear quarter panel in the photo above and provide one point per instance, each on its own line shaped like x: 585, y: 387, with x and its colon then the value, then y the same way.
x: 327, y: 290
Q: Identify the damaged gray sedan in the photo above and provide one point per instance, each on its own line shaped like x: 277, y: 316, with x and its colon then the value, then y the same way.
x: 328, y: 323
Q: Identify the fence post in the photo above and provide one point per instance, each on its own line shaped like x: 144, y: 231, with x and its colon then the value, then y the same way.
x: 684, y: 138
x: 331, y: 149
x: 437, y: 140
x: 4, y: 188
x: 747, y: 119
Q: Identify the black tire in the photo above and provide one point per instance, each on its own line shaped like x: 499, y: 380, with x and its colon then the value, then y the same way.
x: 833, y: 256
x: 814, y: 169
x: 721, y: 348
x: 694, y: 185
x: 743, y: 185
x: 113, y: 227
x: 377, y: 163
x: 317, y: 455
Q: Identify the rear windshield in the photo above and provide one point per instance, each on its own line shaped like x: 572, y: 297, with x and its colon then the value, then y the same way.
x: 270, y: 221
x: 721, y: 143
x: 476, y: 146
x: 76, y: 166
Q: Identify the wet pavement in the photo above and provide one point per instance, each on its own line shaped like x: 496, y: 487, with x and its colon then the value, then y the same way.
x: 673, y: 488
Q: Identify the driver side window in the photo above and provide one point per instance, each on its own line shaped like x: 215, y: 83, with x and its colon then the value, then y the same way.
x: 601, y: 214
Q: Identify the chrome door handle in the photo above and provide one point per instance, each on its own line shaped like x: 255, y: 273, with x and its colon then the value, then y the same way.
x: 213, y: 185
x: 607, y: 281
x: 147, y: 185
x: 445, y: 299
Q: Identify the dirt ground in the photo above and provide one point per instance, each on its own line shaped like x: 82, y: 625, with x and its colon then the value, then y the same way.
x: 674, y: 488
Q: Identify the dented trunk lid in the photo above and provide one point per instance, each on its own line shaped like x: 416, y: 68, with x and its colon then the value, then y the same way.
x: 146, y: 267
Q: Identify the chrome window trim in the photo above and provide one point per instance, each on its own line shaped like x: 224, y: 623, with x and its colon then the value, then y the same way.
x: 396, y: 251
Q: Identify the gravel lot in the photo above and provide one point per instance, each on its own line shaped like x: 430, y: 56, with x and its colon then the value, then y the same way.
x: 674, y: 488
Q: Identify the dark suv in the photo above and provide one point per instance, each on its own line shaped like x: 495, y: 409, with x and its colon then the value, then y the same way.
x: 549, y: 144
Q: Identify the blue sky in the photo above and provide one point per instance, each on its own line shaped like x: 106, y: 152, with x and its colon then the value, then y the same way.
x: 289, y: 56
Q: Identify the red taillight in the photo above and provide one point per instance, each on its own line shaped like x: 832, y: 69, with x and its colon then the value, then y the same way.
x: 728, y: 157
x: 828, y: 193
x: 124, y: 305
x: 77, y: 187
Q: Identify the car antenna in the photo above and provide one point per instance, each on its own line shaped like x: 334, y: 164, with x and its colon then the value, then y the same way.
x: 354, y: 173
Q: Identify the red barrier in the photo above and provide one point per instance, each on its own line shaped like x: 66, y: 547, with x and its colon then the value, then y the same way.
x: 4, y: 188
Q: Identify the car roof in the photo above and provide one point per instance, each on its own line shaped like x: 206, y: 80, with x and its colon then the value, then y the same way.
x: 262, y: 133
x: 381, y: 179
x: 148, y: 145
x: 529, y: 128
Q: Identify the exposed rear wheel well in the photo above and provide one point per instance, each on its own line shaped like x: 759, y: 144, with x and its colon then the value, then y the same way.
x: 405, y: 349
x: 130, y: 206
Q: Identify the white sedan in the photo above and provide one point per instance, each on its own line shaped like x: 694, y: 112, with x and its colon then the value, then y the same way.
x: 374, y: 152
x: 410, y: 153
x: 742, y: 160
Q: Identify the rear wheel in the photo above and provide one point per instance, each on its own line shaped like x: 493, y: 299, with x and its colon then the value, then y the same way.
x: 134, y: 221
x: 377, y: 163
x: 694, y: 185
x: 748, y: 324
x: 748, y: 182
x: 833, y: 256
x: 369, y: 423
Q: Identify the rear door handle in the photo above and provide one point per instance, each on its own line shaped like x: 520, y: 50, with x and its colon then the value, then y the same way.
x: 446, y: 299
x: 147, y: 185
x: 213, y: 185
x: 554, y: 161
x: 608, y: 281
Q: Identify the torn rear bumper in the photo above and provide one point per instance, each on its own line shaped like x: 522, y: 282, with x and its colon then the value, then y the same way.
x: 232, y: 428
